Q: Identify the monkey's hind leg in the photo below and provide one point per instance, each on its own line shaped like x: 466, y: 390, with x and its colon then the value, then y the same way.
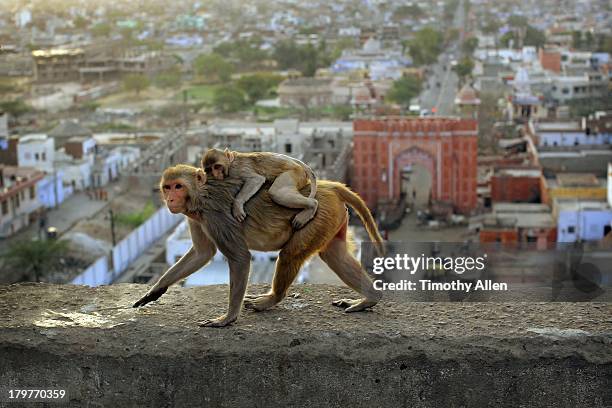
x: 349, y: 270
x: 284, y: 192
x: 287, y: 268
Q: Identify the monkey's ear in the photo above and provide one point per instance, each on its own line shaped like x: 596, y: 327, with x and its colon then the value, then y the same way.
x: 230, y: 155
x: 200, y: 177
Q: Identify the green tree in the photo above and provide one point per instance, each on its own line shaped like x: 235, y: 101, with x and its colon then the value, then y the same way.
x: 342, y: 112
x: 491, y: 25
x: 577, y: 39
x: 15, y: 108
x: 470, y: 45
x: 37, y: 256
x: 80, y: 22
x: 464, y: 68
x: 228, y: 99
x: 136, y: 83
x: 405, y: 89
x: 518, y: 21
x: 258, y: 86
x: 134, y: 219
x: 426, y: 45
x: 408, y: 11
x: 213, y: 67
x: 306, y: 59
x: 169, y: 79
x: 534, y: 37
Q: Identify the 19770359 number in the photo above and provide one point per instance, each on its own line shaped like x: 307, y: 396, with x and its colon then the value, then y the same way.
x: 34, y: 394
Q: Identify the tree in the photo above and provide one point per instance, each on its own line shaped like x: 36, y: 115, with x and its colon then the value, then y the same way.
x: 80, y: 22
x: 464, y: 68
x: 306, y: 59
x: 518, y: 21
x: 534, y: 37
x: 136, y: 83
x: 169, y: 79
x: 15, y: 108
x: 258, y: 86
x: 577, y: 39
x: 470, y: 45
x: 491, y: 25
x: 36, y: 256
x: 213, y: 67
x: 404, y: 12
x: 247, y: 52
x: 425, y: 46
x: 228, y: 99
x: 405, y: 89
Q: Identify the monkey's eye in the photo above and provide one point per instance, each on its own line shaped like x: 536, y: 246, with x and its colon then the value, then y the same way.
x: 179, y: 186
x: 166, y: 187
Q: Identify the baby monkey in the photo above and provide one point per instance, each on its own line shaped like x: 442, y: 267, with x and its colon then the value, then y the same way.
x: 288, y: 176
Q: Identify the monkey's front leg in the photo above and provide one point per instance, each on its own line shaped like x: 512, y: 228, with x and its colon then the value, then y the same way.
x: 239, y: 276
x: 252, y: 184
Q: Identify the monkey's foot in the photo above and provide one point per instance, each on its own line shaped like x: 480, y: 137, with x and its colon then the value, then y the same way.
x: 354, y: 305
x: 260, y: 303
x: 220, y: 321
x: 303, y: 217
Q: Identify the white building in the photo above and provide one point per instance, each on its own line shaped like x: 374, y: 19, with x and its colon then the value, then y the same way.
x: 571, y: 133
x: 287, y: 136
x: 582, y: 220
x: 77, y: 172
x: 19, y: 204
x: 36, y: 150
x: 51, y: 191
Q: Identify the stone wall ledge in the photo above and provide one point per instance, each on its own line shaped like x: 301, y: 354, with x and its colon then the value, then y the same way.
x: 304, y: 352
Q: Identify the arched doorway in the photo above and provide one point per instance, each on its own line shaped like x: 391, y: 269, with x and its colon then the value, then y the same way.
x: 415, y: 176
x: 415, y: 185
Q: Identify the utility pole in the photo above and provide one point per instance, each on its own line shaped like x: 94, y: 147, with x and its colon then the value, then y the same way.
x: 112, y: 226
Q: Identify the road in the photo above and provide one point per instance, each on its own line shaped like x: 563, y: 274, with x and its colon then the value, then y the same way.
x: 440, y: 87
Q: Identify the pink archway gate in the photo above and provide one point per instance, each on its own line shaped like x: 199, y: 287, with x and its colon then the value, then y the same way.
x: 409, y: 157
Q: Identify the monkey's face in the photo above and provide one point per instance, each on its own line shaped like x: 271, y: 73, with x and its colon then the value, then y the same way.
x: 176, y: 195
x: 218, y: 169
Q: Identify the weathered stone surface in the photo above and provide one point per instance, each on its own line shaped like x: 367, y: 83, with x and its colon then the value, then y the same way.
x: 303, y: 353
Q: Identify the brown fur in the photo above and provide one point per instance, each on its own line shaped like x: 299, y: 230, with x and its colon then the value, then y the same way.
x: 268, y: 227
x: 286, y: 175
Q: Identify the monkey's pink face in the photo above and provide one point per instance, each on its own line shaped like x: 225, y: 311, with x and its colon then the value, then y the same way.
x: 175, y: 195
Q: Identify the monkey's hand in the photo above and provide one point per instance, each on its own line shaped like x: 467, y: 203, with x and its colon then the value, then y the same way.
x: 220, y: 321
x: 151, y: 296
x: 238, y: 211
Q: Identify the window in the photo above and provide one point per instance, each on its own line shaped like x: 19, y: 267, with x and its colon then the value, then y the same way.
x: 571, y: 229
x: 4, y: 207
x: 288, y: 148
x: 44, y: 156
x: 32, y: 193
x: 565, y: 91
x: 36, y: 156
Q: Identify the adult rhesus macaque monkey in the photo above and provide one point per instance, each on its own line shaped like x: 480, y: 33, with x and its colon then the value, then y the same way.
x: 288, y: 176
x: 268, y: 228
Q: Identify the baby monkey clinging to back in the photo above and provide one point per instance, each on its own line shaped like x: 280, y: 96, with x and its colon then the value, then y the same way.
x: 288, y: 176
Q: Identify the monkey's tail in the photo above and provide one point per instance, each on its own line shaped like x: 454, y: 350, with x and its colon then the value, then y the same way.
x: 352, y: 199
